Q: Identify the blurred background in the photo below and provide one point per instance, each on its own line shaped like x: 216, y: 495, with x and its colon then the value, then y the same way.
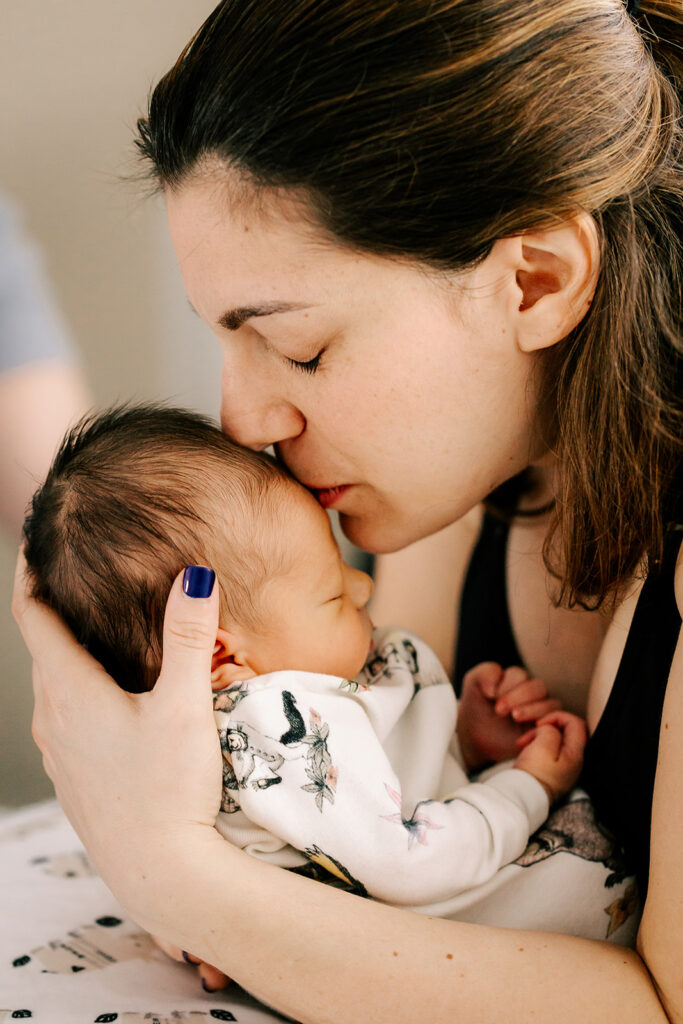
x: 74, y: 77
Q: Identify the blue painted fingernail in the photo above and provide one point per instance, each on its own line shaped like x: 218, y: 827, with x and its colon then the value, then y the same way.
x: 198, y: 581
x: 186, y: 958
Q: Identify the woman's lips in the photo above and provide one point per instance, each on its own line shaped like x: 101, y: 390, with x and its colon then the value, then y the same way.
x: 329, y: 496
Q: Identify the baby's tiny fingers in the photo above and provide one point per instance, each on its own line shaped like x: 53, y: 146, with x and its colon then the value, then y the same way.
x: 535, y: 710
x: 523, y: 693
x: 575, y: 735
x: 559, y: 718
x: 512, y: 677
x: 526, y: 738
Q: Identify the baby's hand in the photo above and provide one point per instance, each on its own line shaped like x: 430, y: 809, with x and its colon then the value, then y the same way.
x: 553, y: 752
x: 496, y: 708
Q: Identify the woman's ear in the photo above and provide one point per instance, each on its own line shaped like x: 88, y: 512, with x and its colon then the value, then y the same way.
x: 556, y: 275
x: 230, y: 662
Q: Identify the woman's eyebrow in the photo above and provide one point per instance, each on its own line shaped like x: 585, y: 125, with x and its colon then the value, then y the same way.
x: 233, y: 319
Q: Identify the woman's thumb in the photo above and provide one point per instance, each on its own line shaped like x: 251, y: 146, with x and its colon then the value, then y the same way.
x: 190, y: 626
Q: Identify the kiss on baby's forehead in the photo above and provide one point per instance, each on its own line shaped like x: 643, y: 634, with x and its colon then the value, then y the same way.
x: 121, y: 513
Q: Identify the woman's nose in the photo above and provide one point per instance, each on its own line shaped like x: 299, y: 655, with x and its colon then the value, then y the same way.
x: 255, y: 418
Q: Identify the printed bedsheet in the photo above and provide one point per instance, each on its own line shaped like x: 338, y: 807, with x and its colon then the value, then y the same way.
x: 68, y: 955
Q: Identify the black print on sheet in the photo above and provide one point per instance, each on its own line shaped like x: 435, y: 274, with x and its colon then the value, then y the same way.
x: 14, y: 1015
x: 573, y: 828
x: 175, y: 1017
x: 109, y: 940
x: 65, y: 865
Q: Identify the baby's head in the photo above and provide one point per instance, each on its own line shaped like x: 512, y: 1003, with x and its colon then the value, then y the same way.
x: 136, y: 494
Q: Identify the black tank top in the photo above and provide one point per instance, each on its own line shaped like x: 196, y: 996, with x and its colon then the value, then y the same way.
x: 484, y: 630
x: 621, y: 755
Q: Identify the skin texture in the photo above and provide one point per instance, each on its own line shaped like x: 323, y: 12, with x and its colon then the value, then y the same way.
x: 423, y: 432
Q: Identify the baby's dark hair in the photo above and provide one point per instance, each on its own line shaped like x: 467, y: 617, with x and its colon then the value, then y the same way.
x: 133, y: 495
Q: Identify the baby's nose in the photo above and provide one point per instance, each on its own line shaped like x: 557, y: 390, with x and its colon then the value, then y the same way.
x: 362, y: 588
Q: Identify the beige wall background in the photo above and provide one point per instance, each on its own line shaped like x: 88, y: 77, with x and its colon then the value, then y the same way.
x: 74, y: 76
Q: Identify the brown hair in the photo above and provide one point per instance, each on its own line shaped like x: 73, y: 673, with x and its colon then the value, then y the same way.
x: 133, y: 496
x: 429, y: 129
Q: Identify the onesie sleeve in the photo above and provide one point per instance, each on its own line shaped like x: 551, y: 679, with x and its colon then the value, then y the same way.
x: 308, y: 766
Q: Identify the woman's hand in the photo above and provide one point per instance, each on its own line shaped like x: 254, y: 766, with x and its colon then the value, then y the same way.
x: 138, y: 775
x: 211, y: 978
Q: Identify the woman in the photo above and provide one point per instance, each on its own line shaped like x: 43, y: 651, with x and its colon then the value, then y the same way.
x: 440, y: 245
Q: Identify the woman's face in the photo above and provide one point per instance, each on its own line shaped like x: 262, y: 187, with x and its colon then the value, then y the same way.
x: 399, y: 396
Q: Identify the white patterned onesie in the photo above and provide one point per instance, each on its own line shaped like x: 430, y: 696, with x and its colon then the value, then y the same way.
x: 364, y: 778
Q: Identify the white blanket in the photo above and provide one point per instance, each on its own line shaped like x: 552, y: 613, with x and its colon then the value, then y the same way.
x: 68, y: 955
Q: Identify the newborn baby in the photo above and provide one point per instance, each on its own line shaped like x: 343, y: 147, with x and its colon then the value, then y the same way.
x: 341, y: 755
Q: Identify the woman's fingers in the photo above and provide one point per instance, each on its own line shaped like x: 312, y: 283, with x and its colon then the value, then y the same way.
x: 190, y: 627
x: 511, y: 678
x: 521, y: 693
x: 50, y: 642
x: 43, y: 631
x: 64, y: 675
x: 211, y: 978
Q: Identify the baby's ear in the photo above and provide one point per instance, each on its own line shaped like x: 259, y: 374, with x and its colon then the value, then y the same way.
x: 230, y: 662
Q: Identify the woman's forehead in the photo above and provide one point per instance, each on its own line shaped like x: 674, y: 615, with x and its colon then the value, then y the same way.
x: 246, y: 258
x: 211, y: 203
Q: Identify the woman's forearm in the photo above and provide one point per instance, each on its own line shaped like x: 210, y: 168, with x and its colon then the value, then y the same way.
x: 320, y: 955
x: 325, y: 957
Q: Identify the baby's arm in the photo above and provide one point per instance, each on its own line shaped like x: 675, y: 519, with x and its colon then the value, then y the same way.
x: 338, y: 799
